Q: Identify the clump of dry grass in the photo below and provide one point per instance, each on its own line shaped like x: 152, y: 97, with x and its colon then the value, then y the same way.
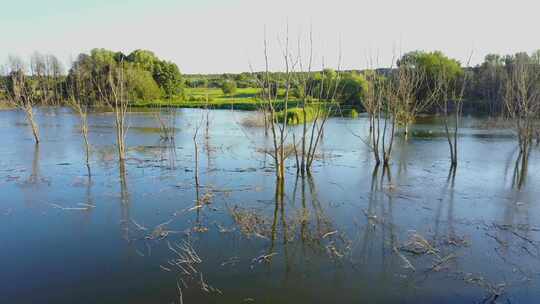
x: 251, y: 223
x: 257, y: 120
x: 206, y: 199
x: 186, y: 258
x: 187, y: 261
x: 288, y: 149
x: 417, y: 244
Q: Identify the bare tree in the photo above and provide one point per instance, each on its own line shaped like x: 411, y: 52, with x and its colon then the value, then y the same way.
x: 81, y: 108
x: 382, y: 106
x: 318, y: 97
x: 21, y: 92
x: 269, y: 99
x: 119, y: 102
x: 197, y: 127
x: 55, y: 70
x: 410, y: 79
x: 449, y: 91
x: 47, y: 72
x: 522, y: 101
x: 315, y: 98
x: 38, y: 71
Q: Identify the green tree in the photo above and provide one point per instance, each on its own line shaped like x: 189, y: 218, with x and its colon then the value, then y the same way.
x: 228, y: 87
x: 433, y: 65
x: 144, y: 59
x: 168, y: 77
x: 141, y: 84
x: 353, y: 87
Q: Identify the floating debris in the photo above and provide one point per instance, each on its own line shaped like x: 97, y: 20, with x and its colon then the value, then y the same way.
x: 263, y: 258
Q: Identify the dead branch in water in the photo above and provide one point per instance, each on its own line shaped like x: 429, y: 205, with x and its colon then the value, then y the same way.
x: 264, y: 258
x: 85, y: 208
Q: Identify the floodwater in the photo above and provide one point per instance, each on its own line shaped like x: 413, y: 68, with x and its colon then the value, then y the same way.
x: 346, y: 234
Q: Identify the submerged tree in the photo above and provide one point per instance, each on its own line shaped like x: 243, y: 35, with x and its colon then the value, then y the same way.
x: 314, y: 95
x: 80, y: 107
x: 522, y: 101
x: 20, y: 90
x: 316, y: 89
x: 381, y: 104
x: 269, y: 99
x: 449, y: 90
x: 410, y: 103
x: 118, y: 99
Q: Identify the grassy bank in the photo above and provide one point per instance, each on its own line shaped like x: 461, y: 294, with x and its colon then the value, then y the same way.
x: 6, y: 106
x: 242, y: 99
x: 297, y: 115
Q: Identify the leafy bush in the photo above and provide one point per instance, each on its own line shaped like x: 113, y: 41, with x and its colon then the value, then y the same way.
x: 295, y: 116
x: 228, y: 87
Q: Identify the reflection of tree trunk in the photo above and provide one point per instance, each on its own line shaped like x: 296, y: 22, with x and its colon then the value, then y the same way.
x: 450, y: 214
x: 389, y: 225
x: 89, y: 198
x: 386, y: 173
x: 448, y: 188
x: 403, y: 158
x: 305, y: 212
x: 196, y: 152
x: 317, y: 209
x: 406, y: 130
x: 369, y: 232
x: 451, y: 176
x: 124, y: 201
x: 208, y: 148
x: 198, y: 205
x: 520, y: 169
x: 278, y: 197
x: 285, y: 232
x: 34, y: 177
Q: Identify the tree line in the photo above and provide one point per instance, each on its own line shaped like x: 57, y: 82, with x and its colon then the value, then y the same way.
x: 150, y: 78
x: 44, y: 80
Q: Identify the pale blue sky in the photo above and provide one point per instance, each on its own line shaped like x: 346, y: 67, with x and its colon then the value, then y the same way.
x: 204, y: 36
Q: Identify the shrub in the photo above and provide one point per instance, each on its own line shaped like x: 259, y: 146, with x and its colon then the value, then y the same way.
x: 228, y: 87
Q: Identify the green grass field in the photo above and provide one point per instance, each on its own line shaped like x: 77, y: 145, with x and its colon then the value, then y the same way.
x: 217, y: 94
x: 242, y: 99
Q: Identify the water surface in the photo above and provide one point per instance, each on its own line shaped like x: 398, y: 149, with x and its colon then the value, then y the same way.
x: 341, y: 235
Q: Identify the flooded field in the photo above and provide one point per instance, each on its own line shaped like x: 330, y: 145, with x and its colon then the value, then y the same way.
x: 414, y: 233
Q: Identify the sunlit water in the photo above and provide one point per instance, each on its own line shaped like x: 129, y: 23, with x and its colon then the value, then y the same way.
x: 339, y: 236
